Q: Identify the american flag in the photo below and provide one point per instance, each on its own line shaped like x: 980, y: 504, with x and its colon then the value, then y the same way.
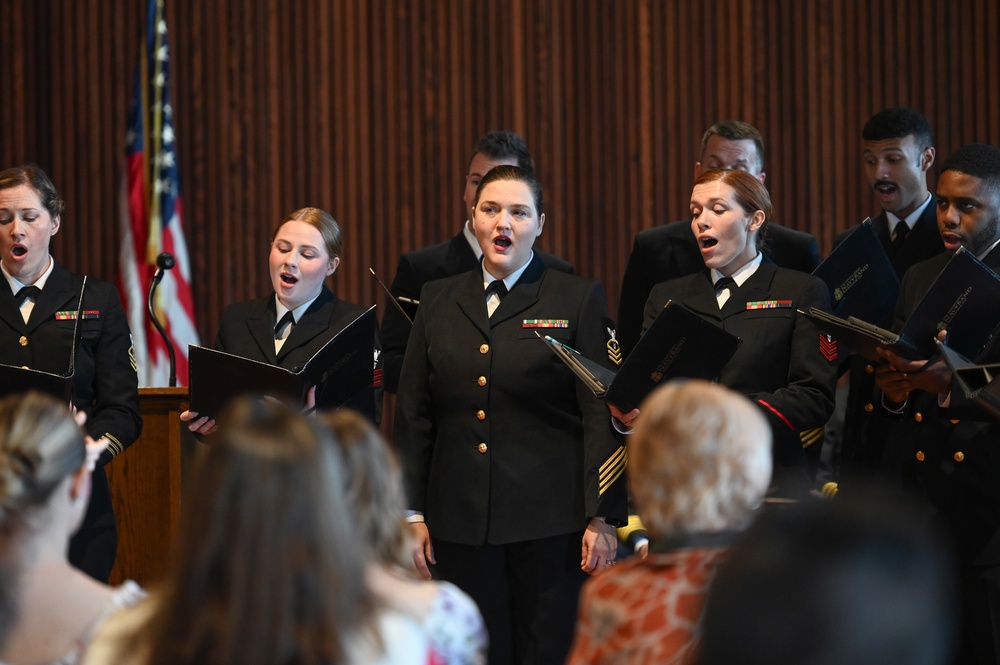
x: 151, y: 215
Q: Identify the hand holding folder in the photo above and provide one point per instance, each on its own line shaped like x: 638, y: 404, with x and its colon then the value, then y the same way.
x: 339, y: 370
x: 974, y: 384
x: 964, y: 300
x: 679, y: 343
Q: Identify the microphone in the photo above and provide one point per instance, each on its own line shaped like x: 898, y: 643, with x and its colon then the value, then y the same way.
x: 165, y: 261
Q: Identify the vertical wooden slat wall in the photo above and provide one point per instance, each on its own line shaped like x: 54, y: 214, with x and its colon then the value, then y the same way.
x: 368, y: 108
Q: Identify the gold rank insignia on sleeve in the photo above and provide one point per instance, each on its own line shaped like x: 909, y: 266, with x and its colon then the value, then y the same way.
x: 811, y: 436
x: 612, y: 469
x: 614, y: 349
x: 131, y: 358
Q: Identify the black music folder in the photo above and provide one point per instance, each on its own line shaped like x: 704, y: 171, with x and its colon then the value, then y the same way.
x: 972, y: 383
x: 15, y: 379
x: 679, y: 343
x: 340, y: 369
x: 861, y: 279
x: 964, y: 300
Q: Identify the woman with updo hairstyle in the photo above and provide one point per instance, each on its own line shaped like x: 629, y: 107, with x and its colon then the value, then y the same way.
x: 783, y: 363
x: 700, y: 464
x: 269, y: 568
x: 448, y: 616
x: 288, y: 326
x: 45, y: 471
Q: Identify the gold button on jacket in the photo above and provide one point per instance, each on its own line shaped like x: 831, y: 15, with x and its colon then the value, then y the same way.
x: 920, y: 456
x: 484, y: 348
x: 869, y: 407
x: 482, y: 448
x: 23, y: 341
x: 480, y: 414
x: 919, y: 417
x: 482, y: 381
x: 959, y: 456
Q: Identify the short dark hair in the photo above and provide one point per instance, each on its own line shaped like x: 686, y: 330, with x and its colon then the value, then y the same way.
x: 516, y: 173
x: 899, y: 122
x: 503, y: 144
x: 736, y: 130
x: 834, y: 582
x: 980, y: 160
x: 33, y: 176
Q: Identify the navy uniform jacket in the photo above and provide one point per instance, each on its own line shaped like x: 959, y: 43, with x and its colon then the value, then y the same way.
x: 247, y: 330
x: 415, y: 269
x: 500, y: 441
x: 866, y: 426
x: 669, y: 251
x: 956, y: 460
x: 105, y: 385
x: 779, y: 364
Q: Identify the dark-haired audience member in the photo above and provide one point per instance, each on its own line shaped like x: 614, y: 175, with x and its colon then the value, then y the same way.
x: 44, y: 325
x: 45, y: 470
x: 458, y: 255
x: 898, y: 151
x: 508, y: 458
x: 952, y: 457
x: 699, y: 466
x: 781, y: 363
x: 286, y: 328
x: 828, y: 583
x: 449, y: 618
x: 269, y: 568
x: 670, y: 250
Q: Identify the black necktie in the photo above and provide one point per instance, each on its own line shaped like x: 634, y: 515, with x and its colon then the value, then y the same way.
x: 723, y: 283
x: 902, y: 230
x: 26, y: 292
x: 498, y: 287
x: 287, y: 318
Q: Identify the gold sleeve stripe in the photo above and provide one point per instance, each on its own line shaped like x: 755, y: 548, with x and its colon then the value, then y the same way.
x: 609, y: 474
x: 115, y: 446
x: 634, y: 524
x: 809, y: 437
x: 615, y: 457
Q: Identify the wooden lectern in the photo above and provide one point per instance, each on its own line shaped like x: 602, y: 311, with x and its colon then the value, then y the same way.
x: 147, y: 482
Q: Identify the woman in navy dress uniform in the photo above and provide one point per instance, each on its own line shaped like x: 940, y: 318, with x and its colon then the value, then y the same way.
x: 40, y: 307
x: 783, y: 363
x: 513, y: 471
x: 287, y: 327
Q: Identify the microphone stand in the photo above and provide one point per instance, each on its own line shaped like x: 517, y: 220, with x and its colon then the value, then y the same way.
x: 163, y: 262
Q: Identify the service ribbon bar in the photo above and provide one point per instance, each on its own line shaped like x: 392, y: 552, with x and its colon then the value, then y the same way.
x: 545, y: 323
x: 769, y: 304
x: 70, y: 314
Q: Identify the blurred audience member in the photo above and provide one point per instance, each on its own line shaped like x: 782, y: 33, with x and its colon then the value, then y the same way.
x: 699, y: 464
x: 269, y: 569
x: 829, y: 583
x: 450, y: 619
x: 45, y: 467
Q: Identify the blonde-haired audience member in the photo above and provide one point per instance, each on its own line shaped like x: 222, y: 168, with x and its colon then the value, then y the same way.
x: 269, y: 569
x: 450, y: 618
x: 45, y: 470
x: 699, y: 465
